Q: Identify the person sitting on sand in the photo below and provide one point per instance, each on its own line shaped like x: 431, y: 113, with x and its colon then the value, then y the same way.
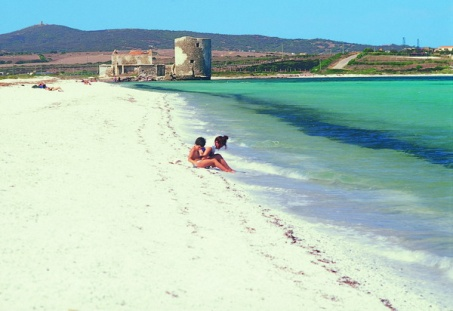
x: 195, y: 157
x: 54, y: 88
x: 209, y: 152
x: 48, y: 88
x: 39, y: 86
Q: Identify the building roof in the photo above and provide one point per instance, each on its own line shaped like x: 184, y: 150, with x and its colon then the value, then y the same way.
x: 134, y: 52
x: 138, y: 52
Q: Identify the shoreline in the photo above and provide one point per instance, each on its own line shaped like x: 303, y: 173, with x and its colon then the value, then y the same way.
x: 103, y: 211
x: 52, y: 79
x: 319, y: 76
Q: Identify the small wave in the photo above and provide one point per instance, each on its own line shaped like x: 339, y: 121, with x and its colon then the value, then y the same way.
x: 443, y: 265
x: 388, y: 251
x: 262, y: 169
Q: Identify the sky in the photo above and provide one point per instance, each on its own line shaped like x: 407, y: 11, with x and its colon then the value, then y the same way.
x: 417, y: 22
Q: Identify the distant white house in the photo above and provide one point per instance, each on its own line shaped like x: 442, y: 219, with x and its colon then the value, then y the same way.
x: 445, y: 48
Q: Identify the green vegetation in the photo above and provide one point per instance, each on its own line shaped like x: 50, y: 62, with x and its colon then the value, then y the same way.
x: 79, y: 70
x: 409, y: 61
x: 16, y: 76
x: 275, y: 64
x: 55, y: 38
x: 367, y: 63
x: 284, y: 56
x: 323, y: 65
x: 42, y: 59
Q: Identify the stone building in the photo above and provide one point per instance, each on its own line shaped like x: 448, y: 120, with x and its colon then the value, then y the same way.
x: 105, y: 71
x: 192, y: 61
x: 192, y: 58
x: 133, y: 62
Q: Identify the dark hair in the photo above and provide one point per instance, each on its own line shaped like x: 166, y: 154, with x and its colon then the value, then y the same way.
x: 222, y: 140
x: 200, y: 141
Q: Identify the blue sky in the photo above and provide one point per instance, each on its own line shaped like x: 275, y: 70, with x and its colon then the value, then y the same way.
x: 365, y: 22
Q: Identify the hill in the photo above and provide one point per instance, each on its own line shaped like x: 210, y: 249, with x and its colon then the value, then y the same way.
x: 55, y: 38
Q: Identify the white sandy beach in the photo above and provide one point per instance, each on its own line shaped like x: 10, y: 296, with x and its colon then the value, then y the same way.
x: 100, y: 210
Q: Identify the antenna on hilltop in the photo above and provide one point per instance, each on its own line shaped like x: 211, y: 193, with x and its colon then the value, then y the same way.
x: 404, y: 40
x: 418, y: 43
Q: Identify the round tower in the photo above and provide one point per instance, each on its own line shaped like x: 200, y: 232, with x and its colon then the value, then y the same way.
x: 192, y: 58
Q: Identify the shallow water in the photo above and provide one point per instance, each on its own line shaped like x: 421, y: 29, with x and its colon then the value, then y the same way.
x: 371, y: 156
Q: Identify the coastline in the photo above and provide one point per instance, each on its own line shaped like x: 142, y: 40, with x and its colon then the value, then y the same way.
x: 319, y: 76
x: 103, y: 212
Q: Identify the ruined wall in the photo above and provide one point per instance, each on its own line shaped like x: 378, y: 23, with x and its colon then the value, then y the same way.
x: 192, y: 58
x: 105, y: 71
x: 133, y: 62
x: 160, y: 70
x: 192, y: 61
x: 133, y: 58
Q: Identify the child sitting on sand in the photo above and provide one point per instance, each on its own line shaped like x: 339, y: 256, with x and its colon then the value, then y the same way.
x: 209, y: 152
x: 195, y: 157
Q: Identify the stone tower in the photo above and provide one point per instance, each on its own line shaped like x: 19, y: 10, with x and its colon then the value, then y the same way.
x: 192, y: 58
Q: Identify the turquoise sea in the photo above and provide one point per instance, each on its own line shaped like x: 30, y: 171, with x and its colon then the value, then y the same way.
x: 373, y: 156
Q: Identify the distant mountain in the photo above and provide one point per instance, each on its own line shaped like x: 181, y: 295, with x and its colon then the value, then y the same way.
x: 54, y: 38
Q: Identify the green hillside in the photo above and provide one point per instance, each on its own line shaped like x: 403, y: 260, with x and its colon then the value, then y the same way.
x: 55, y: 38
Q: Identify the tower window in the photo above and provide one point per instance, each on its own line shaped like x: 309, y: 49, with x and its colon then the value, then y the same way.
x: 192, y: 61
x: 198, y: 44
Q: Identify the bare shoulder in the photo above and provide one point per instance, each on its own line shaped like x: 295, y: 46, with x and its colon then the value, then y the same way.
x: 192, y: 152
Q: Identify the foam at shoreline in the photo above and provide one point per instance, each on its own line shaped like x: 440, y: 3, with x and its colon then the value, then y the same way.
x: 101, y: 210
